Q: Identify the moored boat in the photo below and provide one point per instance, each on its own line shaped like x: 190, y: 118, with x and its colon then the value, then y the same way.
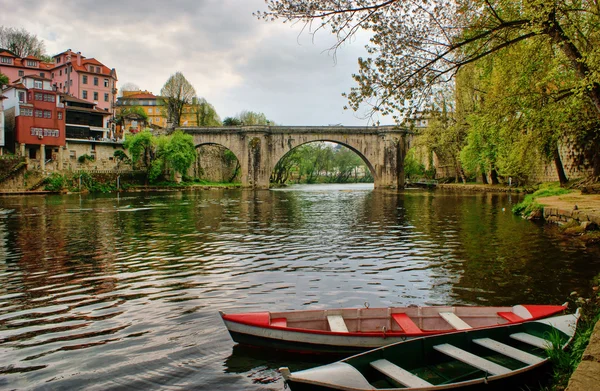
x: 497, y: 357
x: 351, y: 330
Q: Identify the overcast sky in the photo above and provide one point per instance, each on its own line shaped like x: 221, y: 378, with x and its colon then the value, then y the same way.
x: 234, y: 60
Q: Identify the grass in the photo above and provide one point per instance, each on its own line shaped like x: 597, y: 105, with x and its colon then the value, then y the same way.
x: 564, y: 362
x: 529, y: 204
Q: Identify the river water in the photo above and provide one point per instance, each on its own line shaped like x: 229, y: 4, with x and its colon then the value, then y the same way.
x: 122, y: 291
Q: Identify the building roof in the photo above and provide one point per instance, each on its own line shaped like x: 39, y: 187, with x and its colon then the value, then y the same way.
x: 20, y: 62
x: 86, y: 110
x: 141, y: 95
x: 71, y: 98
x: 84, y: 62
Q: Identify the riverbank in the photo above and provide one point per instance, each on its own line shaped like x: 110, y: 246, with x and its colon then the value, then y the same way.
x: 483, y: 188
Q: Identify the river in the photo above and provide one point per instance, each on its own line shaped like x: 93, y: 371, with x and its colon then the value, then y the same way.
x: 122, y: 291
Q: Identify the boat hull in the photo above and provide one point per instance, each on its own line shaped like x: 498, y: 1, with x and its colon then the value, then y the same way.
x: 264, y: 330
x: 504, y: 357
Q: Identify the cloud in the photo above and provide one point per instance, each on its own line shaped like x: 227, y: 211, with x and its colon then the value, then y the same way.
x: 234, y: 60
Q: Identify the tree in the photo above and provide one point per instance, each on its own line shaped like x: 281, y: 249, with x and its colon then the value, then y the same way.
x: 253, y: 118
x: 231, y: 121
x: 178, y: 152
x: 21, y: 43
x: 3, y: 80
x: 175, y: 94
x: 204, y: 113
x: 416, y: 45
x: 124, y: 111
x: 142, y: 150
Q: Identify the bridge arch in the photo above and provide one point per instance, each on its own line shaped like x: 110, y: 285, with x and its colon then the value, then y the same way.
x: 259, y: 148
x: 277, y: 157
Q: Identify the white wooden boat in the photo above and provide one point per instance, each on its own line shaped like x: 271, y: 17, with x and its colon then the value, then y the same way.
x: 502, y: 357
x: 358, y: 329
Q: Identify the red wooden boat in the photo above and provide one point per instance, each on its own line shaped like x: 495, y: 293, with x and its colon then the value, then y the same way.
x: 358, y: 329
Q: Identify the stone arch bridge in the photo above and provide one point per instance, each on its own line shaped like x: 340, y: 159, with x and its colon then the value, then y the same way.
x: 259, y: 148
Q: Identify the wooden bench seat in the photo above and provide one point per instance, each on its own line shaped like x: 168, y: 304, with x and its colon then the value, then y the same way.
x: 532, y: 340
x: 510, y: 316
x: 455, y: 321
x: 509, y: 351
x: 471, y: 359
x: 399, y: 374
x: 337, y: 324
x: 407, y: 324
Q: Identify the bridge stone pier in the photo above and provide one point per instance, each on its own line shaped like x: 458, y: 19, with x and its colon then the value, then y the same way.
x: 259, y: 148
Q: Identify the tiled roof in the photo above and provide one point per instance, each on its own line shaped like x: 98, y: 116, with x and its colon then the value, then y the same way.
x: 141, y: 96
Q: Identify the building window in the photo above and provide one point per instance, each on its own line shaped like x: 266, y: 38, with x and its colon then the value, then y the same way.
x: 95, y: 81
x: 105, y: 82
x: 106, y: 97
x: 72, y: 155
x: 49, y: 98
x: 60, y: 72
x: 39, y: 96
x: 37, y: 84
x: 32, y: 153
x: 59, y: 115
x: 6, y: 60
x: 47, y: 114
x: 57, y: 60
x: 93, y: 147
x: 84, y: 94
x: 98, y: 70
x: 39, y: 113
x: 31, y: 63
x: 21, y: 73
x: 42, y: 74
x: 27, y: 112
x: 95, y: 95
x: 84, y: 79
x: 21, y: 97
x: 150, y: 110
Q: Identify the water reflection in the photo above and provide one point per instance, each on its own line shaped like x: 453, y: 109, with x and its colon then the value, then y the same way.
x: 122, y: 292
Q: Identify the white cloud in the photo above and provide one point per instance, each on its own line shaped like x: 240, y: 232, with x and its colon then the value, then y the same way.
x: 233, y: 60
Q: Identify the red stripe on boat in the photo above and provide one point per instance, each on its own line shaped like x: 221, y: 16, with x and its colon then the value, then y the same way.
x: 510, y: 316
x: 542, y: 311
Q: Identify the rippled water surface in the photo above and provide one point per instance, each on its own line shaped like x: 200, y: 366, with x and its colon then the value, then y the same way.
x: 123, y: 291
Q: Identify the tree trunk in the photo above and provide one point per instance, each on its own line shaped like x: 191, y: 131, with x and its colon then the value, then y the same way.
x: 494, y: 176
x: 484, y: 178
x: 555, y: 31
x: 562, y: 177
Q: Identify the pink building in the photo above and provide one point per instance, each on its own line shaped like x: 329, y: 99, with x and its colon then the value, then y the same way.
x: 85, y: 78
x: 15, y: 67
x: 71, y: 73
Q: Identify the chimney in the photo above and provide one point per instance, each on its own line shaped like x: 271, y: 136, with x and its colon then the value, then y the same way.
x: 79, y: 59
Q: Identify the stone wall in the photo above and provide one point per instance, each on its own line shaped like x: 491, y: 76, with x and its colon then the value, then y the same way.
x: 102, y: 151
x: 560, y: 216
x: 212, y: 164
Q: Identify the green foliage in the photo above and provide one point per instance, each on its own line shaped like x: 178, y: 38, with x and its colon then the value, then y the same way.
x: 127, y: 110
x: 231, y: 121
x: 204, y: 113
x: 413, y: 168
x: 320, y: 162
x: 121, y: 156
x: 179, y: 151
x: 529, y: 203
x: 163, y: 155
x: 85, y: 158
x: 55, y: 182
x: 3, y: 80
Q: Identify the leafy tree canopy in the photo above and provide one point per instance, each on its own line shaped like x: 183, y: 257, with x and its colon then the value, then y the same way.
x: 204, y: 113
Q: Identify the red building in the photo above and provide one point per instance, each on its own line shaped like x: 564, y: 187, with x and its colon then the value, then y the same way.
x: 35, y: 118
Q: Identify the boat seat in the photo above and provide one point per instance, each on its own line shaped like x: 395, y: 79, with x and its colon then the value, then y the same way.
x: 399, y: 374
x: 455, y: 321
x: 471, y: 359
x: 510, y: 316
x: 337, y: 324
x: 532, y: 340
x: 279, y: 322
x: 407, y: 324
x: 509, y: 351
